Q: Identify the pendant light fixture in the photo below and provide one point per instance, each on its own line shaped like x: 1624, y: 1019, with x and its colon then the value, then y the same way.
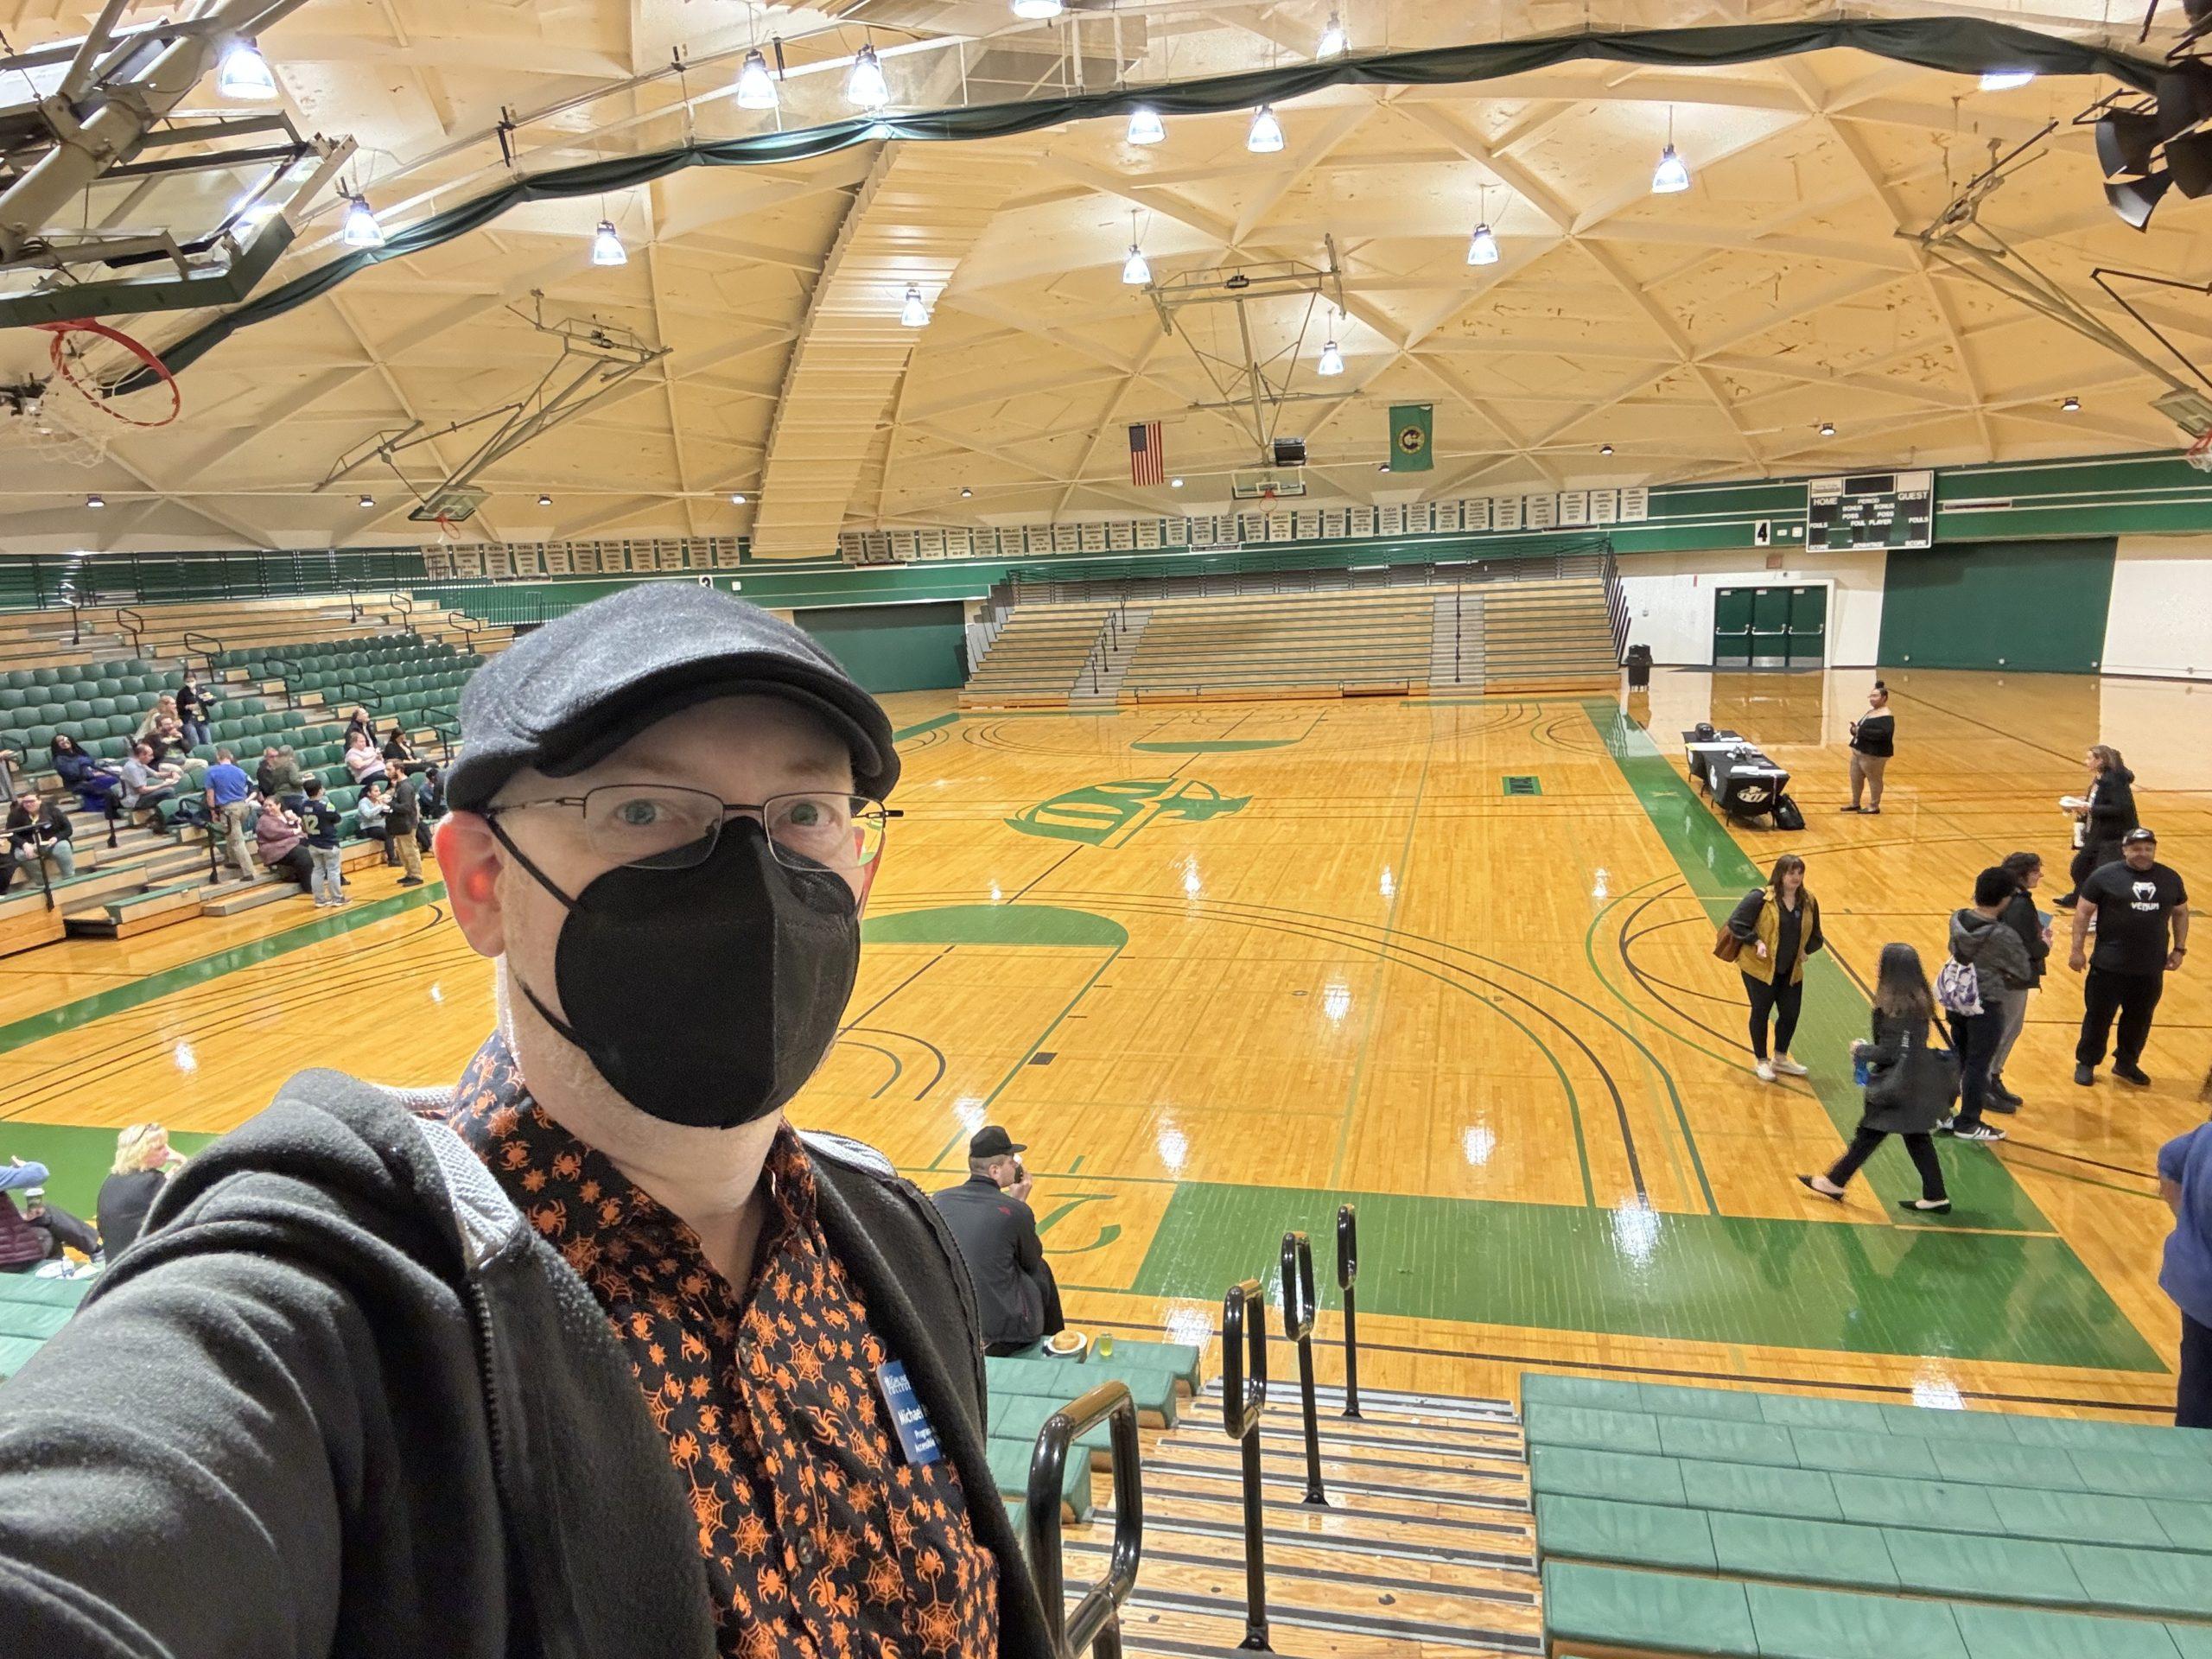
x: 1333, y: 39
x: 1266, y: 135
x: 243, y: 74
x: 865, y: 86
x: 1037, y: 12
x: 606, y: 247
x: 1145, y: 126
x: 1672, y: 175
x: 2002, y: 81
x: 1481, y: 247
x: 1136, y: 269
x: 361, y: 229
x: 915, y: 313
x: 756, y: 88
x: 1332, y: 361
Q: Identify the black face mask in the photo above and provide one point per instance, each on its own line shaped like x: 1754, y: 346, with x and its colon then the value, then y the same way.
x: 705, y: 996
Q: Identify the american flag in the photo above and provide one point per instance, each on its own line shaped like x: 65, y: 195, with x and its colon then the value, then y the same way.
x: 1147, y: 464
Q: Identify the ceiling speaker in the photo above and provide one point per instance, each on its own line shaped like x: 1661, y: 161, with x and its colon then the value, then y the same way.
x: 2125, y: 143
x: 2134, y: 199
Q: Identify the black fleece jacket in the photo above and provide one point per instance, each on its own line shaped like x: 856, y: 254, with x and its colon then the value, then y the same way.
x: 340, y: 1400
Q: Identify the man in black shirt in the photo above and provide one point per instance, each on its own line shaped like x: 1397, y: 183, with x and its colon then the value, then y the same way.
x: 2133, y: 904
x: 1873, y: 740
x: 990, y: 1215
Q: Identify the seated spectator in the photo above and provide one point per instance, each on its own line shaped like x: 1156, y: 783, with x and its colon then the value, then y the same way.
x: 37, y: 1232
x: 363, y: 760
x: 1017, y: 1298
x: 142, y: 1165
x: 195, y: 703
x: 170, y: 742
x: 361, y: 724
x: 397, y: 747
x: 145, y: 782
x: 430, y: 796
x: 95, y: 781
x: 164, y: 708
x: 38, y: 835
x: 277, y: 839
x: 279, y: 778
x: 372, y: 813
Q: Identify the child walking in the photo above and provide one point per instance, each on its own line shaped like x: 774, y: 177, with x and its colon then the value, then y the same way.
x: 320, y: 820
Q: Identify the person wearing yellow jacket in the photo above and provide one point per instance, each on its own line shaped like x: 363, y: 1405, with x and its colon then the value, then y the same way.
x: 1780, y: 926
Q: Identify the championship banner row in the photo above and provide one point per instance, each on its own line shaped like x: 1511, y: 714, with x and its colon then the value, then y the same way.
x: 1506, y: 514
x: 1565, y: 510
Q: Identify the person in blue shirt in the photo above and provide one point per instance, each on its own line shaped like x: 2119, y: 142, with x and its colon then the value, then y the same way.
x: 2186, y: 1183
x: 320, y: 820
x: 230, y: 804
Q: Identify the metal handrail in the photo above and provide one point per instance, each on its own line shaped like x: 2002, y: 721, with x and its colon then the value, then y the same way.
x: 1347, y: 1277
x: 134, y: 625
x: 1095, y: 1625
x: 206, y: 644
x: 1298, y: 1306
x: 289, y: 669
x: 1243, y: 1400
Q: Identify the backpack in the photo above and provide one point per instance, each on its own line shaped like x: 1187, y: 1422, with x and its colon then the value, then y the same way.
x: 1958, y: 988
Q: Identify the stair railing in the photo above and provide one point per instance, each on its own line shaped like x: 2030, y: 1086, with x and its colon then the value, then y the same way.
x: 1095, y: 1625
x: 1347, y: 1276
x: 134, y: 625
x: 1616, y: 603
x: 1244, y: 1400
x: 1298, y: 1304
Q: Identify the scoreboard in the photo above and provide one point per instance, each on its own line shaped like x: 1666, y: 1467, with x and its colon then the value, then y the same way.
x: 1869, y: 510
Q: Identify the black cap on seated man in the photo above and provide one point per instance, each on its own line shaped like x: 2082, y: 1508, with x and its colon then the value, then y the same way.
x: 591, y: 1355
x: 989, y: 1214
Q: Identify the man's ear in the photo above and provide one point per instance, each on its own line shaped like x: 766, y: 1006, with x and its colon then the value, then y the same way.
x: 470, y: 858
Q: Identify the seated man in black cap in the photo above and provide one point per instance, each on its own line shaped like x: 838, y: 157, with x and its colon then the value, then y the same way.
x: 592, y: 1354
x: 989, y: 1214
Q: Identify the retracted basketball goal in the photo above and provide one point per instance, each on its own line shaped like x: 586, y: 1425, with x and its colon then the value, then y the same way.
x: 72, y: 416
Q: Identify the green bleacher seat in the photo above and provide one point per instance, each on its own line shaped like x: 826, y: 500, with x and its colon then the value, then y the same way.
x: 15, y: 1353
x: 1009, y: 1461
x: 1152, y: 1388
x: 1021, y: 1417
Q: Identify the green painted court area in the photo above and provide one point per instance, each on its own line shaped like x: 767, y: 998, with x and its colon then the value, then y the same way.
x: 1637, y: 1272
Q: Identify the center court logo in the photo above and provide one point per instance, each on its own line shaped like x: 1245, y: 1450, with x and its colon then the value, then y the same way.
x: 1109, y: 815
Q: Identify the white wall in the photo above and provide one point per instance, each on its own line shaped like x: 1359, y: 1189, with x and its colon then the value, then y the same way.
x: 2161, y: 618
x: 1670, y: 597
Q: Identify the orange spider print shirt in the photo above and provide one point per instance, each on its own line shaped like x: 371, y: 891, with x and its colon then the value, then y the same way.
x: 819, y: 1541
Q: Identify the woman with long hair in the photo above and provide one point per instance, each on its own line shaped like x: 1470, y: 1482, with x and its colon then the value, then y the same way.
x: 1907, y: 1089
x: 2106, y: 813
x: 143, y: 1164
x: 1781, y: 924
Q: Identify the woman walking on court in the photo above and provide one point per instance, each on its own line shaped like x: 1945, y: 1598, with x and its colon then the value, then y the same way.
x: 1781, y: 925
x: 2106, y: 813
x: 1873, y: 740
x: 1908, y: 1084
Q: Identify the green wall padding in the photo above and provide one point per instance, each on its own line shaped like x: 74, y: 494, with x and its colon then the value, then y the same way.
x: 892, y: 647
x: 2031, y: 606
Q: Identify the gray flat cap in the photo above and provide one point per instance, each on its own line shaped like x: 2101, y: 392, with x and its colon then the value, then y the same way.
x: 573, y: 691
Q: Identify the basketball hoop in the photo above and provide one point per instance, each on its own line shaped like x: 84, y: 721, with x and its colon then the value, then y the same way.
x: 2199, y: 452
x: 58, y: 429
x: 65, y: 370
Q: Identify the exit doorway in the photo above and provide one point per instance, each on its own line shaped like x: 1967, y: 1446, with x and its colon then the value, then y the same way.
x: 1783, y: 625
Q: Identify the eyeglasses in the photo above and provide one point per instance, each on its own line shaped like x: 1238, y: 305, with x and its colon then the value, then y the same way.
x: 658, y: 827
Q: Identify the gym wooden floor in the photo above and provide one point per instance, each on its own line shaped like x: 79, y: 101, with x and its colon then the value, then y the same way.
x: 1223, y: 969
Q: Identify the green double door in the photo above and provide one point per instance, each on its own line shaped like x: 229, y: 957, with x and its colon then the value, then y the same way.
x: 1780, y: 627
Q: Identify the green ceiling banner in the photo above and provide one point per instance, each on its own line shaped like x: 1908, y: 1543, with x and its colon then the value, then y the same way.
x: 1411, y: 428
x: 1961, y: 45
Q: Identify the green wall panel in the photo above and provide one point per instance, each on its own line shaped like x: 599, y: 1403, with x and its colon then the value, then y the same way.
x: 2019, y: 605
x: 892, y: 647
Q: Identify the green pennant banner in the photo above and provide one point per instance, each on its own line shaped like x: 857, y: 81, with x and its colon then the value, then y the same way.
x: 1411, y: 428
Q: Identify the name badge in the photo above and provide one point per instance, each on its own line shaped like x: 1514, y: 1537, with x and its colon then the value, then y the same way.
x: 916, y: 1438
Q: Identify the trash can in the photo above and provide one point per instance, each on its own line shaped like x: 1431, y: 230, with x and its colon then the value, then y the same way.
x: 1639, y: 667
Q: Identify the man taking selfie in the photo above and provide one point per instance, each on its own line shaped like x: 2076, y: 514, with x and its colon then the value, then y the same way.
x: 590, y: 1356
